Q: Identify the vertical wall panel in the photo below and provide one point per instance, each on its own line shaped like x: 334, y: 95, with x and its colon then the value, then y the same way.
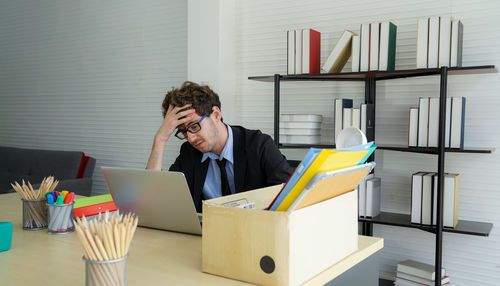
x: 90, y: 76
x: 261, y: 44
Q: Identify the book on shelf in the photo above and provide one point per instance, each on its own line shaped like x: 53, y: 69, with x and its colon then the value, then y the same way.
x: 445, y: 40
x: 355, y: 121
x: 301, y: 117
x: 362, y: 118
x: 300, y: 131
x: 300, y: 139
x: 419, y: 269
x: 364, y: 39
x: 416, y: 197
x: 412, y: 126
x: 433, y: 53
x: 434, y: 199
x: 457, y: 122
x: 447, y: 126
x: 362, y: 195
x: 339, y: 105
x: 290, y: 35
x: 412, y: 280
x: 372, y: 208
x: 387, y: 47
x: 298, y: 51
x: 370, y: 122
x: 316, y: 162
x: 355, y: 53
x: 347, y: 118
x: 456, y: 43
x: 427, y: 198
x: 423, y: 121
x: 311, y: 51
x: 450, y: 200
x: 300, y: 125
x: 439, y: 42
x: 422, y: 42
x: 433, y: 122
x: 340, y: 53
x: 374, y: 46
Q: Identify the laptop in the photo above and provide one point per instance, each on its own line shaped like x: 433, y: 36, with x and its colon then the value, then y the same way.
x: 160, y: 199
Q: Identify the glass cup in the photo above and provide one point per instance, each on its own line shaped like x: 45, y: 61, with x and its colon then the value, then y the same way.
x: 34, y: 214
x: 107, y: 272
x: 60, y: 218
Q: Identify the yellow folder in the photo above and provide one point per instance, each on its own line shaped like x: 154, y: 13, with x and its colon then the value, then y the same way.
x: 328, y: 185
x: 327, y: 160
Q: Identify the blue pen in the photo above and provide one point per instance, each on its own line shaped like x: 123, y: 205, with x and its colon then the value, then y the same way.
x: 50, y: 198
x: 50, y: 201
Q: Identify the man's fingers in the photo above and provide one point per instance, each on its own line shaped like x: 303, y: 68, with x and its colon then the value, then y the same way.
x: 185, y: 113
x: 180, y: 108
x: 183, y: 120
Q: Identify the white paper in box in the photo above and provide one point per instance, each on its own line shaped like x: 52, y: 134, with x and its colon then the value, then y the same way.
x: 300, y: 244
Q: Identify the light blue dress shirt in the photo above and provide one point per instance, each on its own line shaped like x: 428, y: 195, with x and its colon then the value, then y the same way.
x: 212, y: 186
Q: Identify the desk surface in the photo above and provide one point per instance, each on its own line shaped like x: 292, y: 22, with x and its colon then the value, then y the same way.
x: 155, y: 256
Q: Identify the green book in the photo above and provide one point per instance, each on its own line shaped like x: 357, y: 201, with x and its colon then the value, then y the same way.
x: 387, y: 48
x: 88, y: 201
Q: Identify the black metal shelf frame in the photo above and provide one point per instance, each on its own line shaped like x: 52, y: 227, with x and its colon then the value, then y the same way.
x: 370, y: 79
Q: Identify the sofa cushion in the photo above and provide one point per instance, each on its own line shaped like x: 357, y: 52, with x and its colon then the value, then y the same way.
x: 33, y: 165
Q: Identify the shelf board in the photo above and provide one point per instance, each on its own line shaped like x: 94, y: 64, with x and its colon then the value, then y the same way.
x: 434, y: 150
x: 404, y: 220
x: 378, y: 75
x: 482, y: 150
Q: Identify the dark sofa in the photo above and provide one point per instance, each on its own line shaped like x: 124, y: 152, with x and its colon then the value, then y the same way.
x: 74, y: 170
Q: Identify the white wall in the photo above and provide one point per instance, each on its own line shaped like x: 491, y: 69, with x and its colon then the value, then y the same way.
x: 261, y: 50
x: 90, y: 76
x: 211, y: 50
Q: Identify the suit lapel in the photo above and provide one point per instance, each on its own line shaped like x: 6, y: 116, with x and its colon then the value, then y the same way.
x: 200, y: 174
x: 240, y: 160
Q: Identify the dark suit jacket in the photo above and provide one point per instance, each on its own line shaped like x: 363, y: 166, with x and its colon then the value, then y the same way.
x: 257, y: 163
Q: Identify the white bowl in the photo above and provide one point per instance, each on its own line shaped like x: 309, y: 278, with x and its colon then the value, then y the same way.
x: 349, y: 137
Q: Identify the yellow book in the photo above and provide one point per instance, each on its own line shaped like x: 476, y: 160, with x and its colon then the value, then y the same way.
x: 327, y: 160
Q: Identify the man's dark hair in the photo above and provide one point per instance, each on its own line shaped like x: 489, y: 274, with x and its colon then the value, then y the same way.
x: 202, y: 98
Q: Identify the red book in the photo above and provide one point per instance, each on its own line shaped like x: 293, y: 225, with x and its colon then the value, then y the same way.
x: 311, y: 51
x: 94, y: 209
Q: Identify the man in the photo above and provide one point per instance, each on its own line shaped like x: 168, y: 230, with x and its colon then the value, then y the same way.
x: 217, y: 159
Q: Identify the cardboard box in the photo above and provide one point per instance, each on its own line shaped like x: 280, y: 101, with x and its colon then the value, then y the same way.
x: 277, y: 248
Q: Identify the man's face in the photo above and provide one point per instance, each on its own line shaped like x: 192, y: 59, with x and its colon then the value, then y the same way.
x: 205, y: 139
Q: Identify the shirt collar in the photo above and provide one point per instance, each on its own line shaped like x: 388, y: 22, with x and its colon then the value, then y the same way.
x: 227, y: 151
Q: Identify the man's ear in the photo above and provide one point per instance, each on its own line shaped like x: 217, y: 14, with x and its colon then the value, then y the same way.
x: 216, y: 113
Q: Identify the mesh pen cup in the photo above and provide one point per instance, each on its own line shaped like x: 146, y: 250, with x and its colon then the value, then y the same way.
x: 60, y: 218
x: 34, y: 214
x: 106, y: 272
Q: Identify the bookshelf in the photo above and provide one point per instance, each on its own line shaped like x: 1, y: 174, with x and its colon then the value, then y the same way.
x: 370, y: 79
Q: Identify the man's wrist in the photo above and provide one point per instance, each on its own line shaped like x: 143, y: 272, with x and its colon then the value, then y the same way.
x: 160, y: 140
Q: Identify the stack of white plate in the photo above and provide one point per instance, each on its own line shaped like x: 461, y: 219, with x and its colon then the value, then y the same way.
x: 300, y: 128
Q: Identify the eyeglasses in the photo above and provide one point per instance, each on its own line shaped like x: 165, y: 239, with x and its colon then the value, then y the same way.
x: 193, y: 128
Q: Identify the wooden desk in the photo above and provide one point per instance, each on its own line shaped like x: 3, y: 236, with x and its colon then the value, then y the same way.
x: 156, y: 257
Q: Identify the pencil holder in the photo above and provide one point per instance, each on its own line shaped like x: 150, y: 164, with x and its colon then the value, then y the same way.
x: 60, y: 218
x: 106, y: 272
x: 34, y: 214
